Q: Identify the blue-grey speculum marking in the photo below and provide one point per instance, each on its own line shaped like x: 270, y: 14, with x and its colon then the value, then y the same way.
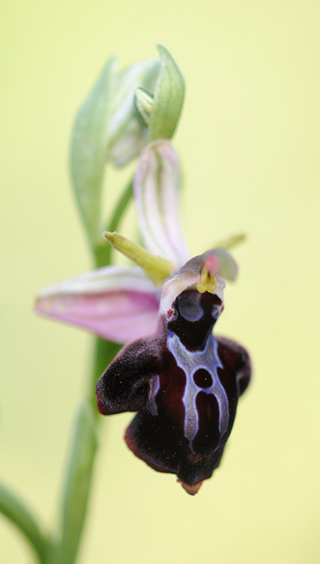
x: 190, y: 362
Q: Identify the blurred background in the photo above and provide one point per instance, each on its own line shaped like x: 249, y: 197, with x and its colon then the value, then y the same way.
x: 248, y: 141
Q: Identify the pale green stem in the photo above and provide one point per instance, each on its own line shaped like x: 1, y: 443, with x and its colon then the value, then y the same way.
x: 105, y: 351
x: 15, y: 510
x: 84, y: 448
x: 121, y: 206
x: 76, y: 492
x: 102, y: 253
x: 118, y: 212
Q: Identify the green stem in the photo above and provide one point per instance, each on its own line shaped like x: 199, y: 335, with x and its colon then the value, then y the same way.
x: 80, y: 468
x: 21, y: 516
x: 118, y: 212
x: 76, y: 493
x: 121, y: 206
x: 105, y: 351
x: 84, y: 447
x: 102, y: 253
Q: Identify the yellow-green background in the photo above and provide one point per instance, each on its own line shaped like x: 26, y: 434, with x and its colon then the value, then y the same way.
x: 249, y: 147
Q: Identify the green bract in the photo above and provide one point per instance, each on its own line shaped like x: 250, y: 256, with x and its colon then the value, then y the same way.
x: 107, y: 128
x: 88, y: 150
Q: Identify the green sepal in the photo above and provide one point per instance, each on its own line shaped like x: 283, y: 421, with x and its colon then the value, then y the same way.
x: 168, y: 98
x: 77, y: 486
x: 157, y: 268
x: 88, y: 150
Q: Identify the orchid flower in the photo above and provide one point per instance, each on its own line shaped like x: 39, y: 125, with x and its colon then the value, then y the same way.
x: 183, y: 382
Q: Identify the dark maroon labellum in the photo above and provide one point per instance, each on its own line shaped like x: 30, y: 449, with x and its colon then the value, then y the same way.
x: 185, y: 384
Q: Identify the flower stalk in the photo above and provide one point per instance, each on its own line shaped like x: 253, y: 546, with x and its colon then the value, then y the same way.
x: 77, y: 487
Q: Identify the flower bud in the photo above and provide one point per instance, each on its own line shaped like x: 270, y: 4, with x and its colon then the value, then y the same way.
x: 168, y: 98
x: 147, y: 107
x: 127, y: 133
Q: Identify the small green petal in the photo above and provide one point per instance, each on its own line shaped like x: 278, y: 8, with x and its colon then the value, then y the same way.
x: 157, y: 268
x: 168, y: 98
x: 231, y: 241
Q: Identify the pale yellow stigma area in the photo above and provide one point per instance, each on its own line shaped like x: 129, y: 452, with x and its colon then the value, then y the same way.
x: 207, y: 282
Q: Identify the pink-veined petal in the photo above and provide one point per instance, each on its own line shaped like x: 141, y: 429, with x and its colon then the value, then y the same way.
x: 116, y: 303
x: 156, y: 192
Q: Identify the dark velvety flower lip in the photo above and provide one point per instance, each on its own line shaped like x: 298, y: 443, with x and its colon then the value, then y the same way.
x: 184, y: 384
